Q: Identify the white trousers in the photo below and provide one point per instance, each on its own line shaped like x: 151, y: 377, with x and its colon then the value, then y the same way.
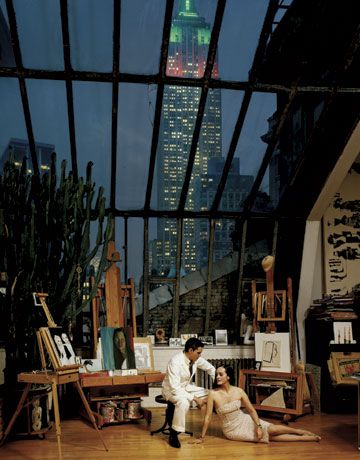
x: 182, y: 405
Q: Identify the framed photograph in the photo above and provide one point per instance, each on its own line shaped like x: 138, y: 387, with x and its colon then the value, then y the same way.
x: 144, y: 357
x: 207, y: 339
x: 174, y: 342
x: 61, y: 347
x: 344, y: 366
x: 273, y: 350
x: 257, y: 365
x: 221, y: 337
x: 185, y: 337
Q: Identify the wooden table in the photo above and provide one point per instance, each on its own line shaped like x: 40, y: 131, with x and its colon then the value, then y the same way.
x: 116, y: 388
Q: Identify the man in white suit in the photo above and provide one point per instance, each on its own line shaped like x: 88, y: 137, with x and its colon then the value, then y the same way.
x: 177, y: 386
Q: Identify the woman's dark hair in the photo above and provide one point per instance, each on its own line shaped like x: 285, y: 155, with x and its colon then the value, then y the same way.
x: 230, y: 373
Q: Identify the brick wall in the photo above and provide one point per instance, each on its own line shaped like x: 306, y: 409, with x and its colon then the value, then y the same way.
x: 192, y: 310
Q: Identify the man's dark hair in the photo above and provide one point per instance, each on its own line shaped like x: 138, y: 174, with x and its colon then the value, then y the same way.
x: 193, y: 343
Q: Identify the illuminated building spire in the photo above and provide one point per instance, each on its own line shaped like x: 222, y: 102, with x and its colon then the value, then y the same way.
x: 187, y: 8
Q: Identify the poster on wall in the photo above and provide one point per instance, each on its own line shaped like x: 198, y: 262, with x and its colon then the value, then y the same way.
x: 341, y: 224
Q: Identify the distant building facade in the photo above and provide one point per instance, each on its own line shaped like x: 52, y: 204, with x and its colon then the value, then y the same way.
x: 19, y: 149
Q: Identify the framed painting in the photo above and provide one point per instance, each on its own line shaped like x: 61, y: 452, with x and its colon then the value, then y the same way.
x: 273, y: 350
x: 344, y: 366
x: 144, y: 357
x: 207, y: 339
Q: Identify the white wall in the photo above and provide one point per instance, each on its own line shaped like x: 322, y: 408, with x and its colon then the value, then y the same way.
x: 312, y: 283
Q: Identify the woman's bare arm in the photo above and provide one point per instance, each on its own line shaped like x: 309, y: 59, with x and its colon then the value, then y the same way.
x: 208, y: 416
x: 252, y: 412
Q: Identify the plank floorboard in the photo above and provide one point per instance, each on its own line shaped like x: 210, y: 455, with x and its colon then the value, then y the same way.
x: 133, y: 441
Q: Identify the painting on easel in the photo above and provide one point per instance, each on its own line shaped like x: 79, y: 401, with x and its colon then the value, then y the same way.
x: 58, y: 346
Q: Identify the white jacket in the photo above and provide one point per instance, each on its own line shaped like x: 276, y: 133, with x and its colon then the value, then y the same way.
x: 178, y: 377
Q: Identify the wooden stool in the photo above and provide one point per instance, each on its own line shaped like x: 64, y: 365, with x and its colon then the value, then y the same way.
x: 169, y: 414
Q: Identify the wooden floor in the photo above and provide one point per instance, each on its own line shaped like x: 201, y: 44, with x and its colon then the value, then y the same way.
x: 133, y: 441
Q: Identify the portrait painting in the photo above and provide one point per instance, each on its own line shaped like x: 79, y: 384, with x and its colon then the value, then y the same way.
x: 61, y: 346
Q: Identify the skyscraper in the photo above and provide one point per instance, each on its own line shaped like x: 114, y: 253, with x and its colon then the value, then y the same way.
x: 188, y: 49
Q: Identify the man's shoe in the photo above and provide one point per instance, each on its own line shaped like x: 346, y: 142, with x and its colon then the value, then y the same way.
x: 173, y: 439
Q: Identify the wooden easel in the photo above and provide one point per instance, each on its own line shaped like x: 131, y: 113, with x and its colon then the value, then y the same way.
x: 59, y: 376
x: 125, y: 301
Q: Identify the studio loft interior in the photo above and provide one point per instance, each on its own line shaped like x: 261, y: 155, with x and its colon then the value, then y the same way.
x: 201, y: 136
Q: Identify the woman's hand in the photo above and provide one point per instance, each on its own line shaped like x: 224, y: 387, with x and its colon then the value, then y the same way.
x: 259, y: 432
x: 199, y: 440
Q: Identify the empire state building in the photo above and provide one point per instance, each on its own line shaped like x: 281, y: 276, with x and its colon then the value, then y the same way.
x: 188, y: 49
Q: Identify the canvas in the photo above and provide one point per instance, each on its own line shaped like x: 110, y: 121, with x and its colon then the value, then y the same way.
x: 273, y: 350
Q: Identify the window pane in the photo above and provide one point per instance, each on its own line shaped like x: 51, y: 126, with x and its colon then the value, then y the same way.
x: 251, y: 147
x: 6, y: 52
x: 179, y: 111
x: 91, y: 34
x: 11, y: 115
x: 135, y: 122
x: 162, y: 248
x: 92, y: 106
x: 239, y: 37
x: 141, y: 35
x: 47, y: 100
x: 217, y: 127
x: 40, y: 36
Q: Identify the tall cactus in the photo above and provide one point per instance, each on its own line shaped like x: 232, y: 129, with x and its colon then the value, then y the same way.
x: 45, y: 247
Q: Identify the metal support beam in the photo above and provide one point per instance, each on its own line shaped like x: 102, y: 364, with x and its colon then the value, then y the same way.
x: 209, y: 276
x: 115, y: 101
x: 176, y: 294
x: 239, y: 290
x: 68, y: 83
x: 146, y: 290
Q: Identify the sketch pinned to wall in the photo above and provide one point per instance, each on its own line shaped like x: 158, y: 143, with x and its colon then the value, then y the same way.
x: 273, y: 350
x: 342, y: 236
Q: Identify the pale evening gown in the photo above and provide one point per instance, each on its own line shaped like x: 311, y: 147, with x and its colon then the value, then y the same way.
x: 238, y: 426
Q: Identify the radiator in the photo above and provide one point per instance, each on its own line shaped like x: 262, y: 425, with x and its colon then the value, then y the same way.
x: 203, y: 380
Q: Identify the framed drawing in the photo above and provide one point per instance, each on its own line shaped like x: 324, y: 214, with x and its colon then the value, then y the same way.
x: 344, y: 366
x: 144, y: 357
x: 273, y: 350
x: 185, y: 337
x: 207, y: 339
x: 221, y: 337
x: 174, y: 342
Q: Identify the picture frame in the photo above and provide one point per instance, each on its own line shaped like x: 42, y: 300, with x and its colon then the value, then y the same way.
x: 174, y: 342
x: 344, y: 366
x: 257, y: 365
x: 221, y: 337
x: 279, y: 305
x: 144, y: 356
x: 273, y: 350
x: 207, y: 339
x: 185, y: 337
